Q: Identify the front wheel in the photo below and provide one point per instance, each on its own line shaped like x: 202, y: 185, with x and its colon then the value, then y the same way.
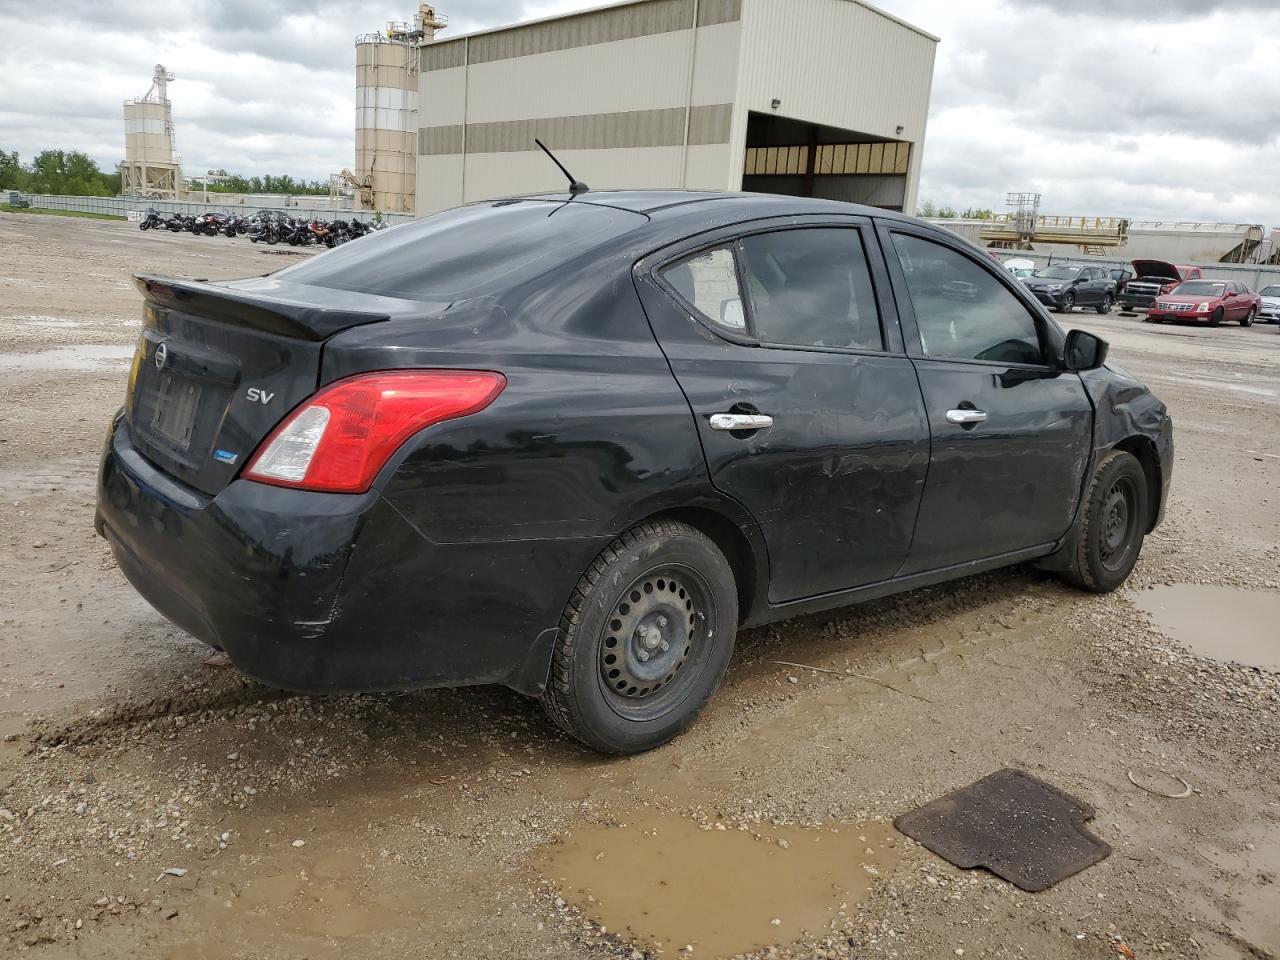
x: 1111, y: 525
x: 1068, y: 303
x: 644, y: 640
x: 1248, y: 318
x: 1105, y: 305
x: 1216, y: 318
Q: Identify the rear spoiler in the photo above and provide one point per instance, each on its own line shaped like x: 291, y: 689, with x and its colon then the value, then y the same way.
x: 298, y: 319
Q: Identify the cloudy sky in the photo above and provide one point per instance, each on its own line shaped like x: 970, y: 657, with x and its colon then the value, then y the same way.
x: 1152, y: 109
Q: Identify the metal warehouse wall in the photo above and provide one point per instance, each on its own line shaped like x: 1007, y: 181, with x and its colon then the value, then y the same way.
x: 839, y: 63
x: 606, y: 89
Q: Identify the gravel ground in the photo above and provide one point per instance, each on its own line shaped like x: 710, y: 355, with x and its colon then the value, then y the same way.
x: 151, y: 805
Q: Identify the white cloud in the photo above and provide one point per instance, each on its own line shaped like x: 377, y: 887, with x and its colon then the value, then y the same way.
x: 1163, y: 109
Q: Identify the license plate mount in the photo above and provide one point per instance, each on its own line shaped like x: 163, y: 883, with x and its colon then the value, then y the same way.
x: 177, y: 401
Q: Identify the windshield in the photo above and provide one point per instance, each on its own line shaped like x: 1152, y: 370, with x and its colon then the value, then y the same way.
x: 1199, y: 288
x: 1059, y: 272
x: 1271, y: 291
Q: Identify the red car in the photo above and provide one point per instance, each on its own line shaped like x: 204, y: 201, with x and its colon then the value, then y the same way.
x: 1207, y: 301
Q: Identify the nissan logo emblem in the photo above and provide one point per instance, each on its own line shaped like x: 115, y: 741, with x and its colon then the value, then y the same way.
x: 162, y: 356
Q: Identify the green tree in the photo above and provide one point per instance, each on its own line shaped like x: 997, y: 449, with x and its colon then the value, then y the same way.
x: 13, y: 175
x: 69, y: 173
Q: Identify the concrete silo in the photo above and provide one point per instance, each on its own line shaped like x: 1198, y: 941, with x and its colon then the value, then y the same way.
x: 151, y: 168
x: 387, y: 112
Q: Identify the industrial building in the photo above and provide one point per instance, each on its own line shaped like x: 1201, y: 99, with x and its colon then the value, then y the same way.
x: 387, y: 113
x: 825, y: 98
x: 151, y: 168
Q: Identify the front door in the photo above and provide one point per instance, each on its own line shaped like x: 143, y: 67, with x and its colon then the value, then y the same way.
x: 786, y: 346
x: 1011, y: 431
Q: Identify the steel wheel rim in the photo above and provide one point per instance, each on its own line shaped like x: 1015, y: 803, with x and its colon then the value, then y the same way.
x: 1119, y: 518
x: 655, y: 642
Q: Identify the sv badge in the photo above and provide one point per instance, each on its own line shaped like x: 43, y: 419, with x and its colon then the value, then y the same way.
x: 257, y: 394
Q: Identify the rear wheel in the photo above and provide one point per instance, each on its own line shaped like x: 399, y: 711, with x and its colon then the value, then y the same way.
x: 644, y: 640
x: 1111, y: 525
x: 1248, y: 318
x: 1106, y: 304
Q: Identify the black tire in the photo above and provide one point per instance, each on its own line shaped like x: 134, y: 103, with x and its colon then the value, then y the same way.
x: 599, y: 689
x: 1106, y: 304
x: 1068, y: 303
x: 1247, y: 319
x: 1111, y: 526
x: 1216, y: 318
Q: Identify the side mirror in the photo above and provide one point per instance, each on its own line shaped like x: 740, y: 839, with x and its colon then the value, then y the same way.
x: 732, y: 314
x: 1084, y: 351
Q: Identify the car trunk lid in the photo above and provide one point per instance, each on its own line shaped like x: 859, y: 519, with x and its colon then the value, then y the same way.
x: 219, y: 364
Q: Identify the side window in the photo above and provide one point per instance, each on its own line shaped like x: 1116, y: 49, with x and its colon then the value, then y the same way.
x: 708, y: 281
x: 962, y: 311
x: 811, y: 288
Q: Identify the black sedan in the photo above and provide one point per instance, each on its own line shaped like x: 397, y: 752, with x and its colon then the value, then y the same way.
x: 572, y: 444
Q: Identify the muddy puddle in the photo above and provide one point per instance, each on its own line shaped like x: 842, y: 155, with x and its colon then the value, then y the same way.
x: 1222, y: 623
x: 88, y: 357
x: 670, y: 883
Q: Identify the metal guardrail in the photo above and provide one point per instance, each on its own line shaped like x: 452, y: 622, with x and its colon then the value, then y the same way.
x: 121, y: 206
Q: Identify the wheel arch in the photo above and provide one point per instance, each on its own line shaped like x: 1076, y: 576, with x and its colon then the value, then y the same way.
x: 1144, y: 450
x: 738, y: 539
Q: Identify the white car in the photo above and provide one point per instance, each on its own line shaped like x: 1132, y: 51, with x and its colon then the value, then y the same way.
x: 1020, y: 268
x: 1270, y: 309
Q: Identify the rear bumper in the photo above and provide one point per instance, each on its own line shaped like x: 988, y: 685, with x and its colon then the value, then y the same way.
x: 328, y: 593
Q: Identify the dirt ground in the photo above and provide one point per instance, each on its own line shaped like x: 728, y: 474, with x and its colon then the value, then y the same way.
x: 153, y: 806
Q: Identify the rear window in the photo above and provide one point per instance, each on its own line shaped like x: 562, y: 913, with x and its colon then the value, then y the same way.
x: 468, y: 252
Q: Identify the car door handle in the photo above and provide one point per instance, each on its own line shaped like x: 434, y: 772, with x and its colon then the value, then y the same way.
x: 733, y: 422
x: 966, y: 417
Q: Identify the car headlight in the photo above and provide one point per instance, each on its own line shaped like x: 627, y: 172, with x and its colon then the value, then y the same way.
x: 1202, y: 307
x: 1054, y: 287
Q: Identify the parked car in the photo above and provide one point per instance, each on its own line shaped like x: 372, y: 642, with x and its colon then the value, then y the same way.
x: 1152, y: 279
x: 573, y: 443
x: 1122, y: 276
x: 1064, y: 286
x: 1208, y: 301
x: 1020, y: 267
x: 1269, y: 303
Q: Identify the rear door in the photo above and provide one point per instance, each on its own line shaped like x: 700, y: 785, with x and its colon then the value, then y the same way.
x: 1097, y: 284
x: 784, y: 340
x: 1011, y: 432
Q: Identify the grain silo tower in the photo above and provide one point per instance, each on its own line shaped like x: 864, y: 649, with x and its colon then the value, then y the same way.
x: 387, y: 111
x: 151, y: 168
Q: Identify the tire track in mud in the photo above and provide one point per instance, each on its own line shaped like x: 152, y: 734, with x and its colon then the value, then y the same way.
x: 102, y: 723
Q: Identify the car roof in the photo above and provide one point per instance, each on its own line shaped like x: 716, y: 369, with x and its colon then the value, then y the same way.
x: 657, y: 202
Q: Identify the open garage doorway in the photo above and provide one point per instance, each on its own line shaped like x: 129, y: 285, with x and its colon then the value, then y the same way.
x: 802, y: 159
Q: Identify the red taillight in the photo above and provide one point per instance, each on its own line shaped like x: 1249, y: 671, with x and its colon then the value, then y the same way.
x: 338, y: 440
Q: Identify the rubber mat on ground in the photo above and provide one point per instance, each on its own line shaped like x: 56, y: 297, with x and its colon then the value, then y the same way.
x: 1019, y: 827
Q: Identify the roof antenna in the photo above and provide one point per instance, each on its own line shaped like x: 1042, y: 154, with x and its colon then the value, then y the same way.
x: 575, y: 186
